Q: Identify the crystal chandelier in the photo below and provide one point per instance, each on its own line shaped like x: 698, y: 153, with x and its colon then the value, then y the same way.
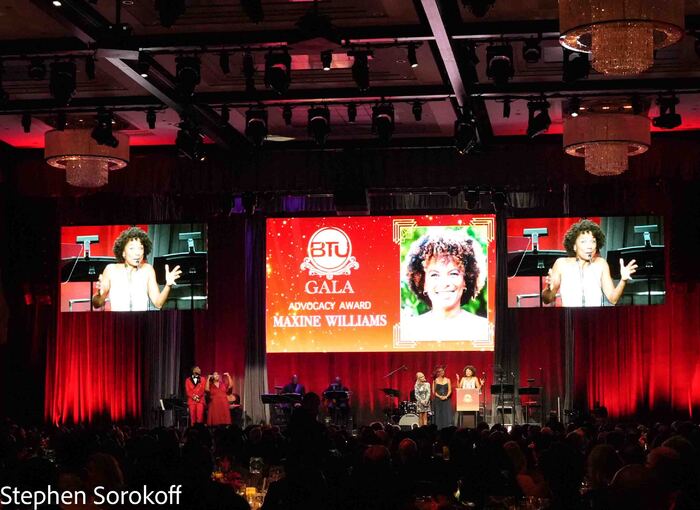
x: 605, y: 135
x: 621, y: 35
x: 87, y: 164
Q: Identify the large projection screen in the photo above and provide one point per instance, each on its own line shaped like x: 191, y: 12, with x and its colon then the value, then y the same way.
x: 381, y: 283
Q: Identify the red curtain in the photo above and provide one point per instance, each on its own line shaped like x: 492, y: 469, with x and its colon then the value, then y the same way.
x: 364, y: 373
x: 94, y: 368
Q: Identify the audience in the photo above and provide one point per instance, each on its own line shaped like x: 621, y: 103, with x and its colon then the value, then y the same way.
x: 586, y: 466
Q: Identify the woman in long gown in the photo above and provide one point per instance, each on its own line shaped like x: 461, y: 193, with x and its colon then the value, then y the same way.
x: 442, y: 391
x: 217, y: 388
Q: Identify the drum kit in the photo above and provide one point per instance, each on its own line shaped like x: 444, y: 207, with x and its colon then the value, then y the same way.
x: 405, y: 414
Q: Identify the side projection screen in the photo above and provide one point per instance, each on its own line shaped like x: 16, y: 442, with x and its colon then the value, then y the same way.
x: 125, y: 268
x: 381, y: 283
x: 586, y: 262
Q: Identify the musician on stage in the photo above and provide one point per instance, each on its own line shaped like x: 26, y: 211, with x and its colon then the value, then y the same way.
x: 338, y: 405
x: 194, y: 389
x: 131, y: 282
x: 294, y: 387
x: 583, y: 278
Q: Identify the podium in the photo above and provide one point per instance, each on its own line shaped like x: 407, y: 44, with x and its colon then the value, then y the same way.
x: 467, y: 407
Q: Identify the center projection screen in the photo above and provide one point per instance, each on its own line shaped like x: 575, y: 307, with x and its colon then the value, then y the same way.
x: 381, y: 283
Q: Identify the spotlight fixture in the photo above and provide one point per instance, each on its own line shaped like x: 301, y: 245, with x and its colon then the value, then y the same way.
x: 383, y: 121
x: 169, y: 11
x: 37, y: 69
x: 360, y: 69
x: 417, y: 110
x: 143, y: 66
x: 470, y: 63
x: 151, y: 118
x: 90, y: 67
x: 319, y: 123
x: 574, y: 106
x: 499, y: 201
x: 187, y: 74
x: 189, y: 141
x: 62, y: 82
x: 352, y: 113
x: 576, y: 66
x: 256, y: 125
x: 326, y: 59
x: 532, y: 51
x: 278, y: 68
x: 61, y: 121
x: 466, y: 137
x: 538, y: 117
x: 249, y: 72
x: 500, y: 63
x: 57, y: 3
x: 253, y: 9
x: 506, y: 108
x: 478, y: 8
x: 668, y: 118
x: 225, y: 115
x: 412, y: 58
x: 102, y: 132
x: 26, y: 122
x: 471, y: 197
x: 287, y: 115
x: 224, y: 63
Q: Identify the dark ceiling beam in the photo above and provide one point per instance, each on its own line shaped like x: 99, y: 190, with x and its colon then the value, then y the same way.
x: 441, y: 17
x: 91, y: 27
x: 592, y: 87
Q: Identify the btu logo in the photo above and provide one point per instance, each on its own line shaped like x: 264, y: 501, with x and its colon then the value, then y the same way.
x: 329, y: 253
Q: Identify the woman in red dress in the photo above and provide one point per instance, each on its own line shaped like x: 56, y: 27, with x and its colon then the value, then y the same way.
x: 217, y: 388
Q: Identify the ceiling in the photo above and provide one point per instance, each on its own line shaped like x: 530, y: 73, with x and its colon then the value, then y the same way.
x: 440, y: 31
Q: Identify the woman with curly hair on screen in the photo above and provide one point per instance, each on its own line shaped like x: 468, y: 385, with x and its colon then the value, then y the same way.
x: 131, y: 282
x: 583, y: 278
x: 444, y: 270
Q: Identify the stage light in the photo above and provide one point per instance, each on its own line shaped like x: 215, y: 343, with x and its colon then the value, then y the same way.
x: 417, y: 110
x: 532, y: 51
x: 224, y: 63
x: 253, y: 9
x: 360, y: 69
x: 37, y: 69
x: 319, y: 123
x: 506, y: 108
x: 26, y: 122
x: 668, y: 118
x: 472, y: 198
x: 326, y: 59
x: 478, y: 8
x: 576, y: 66
x: 412, y: 58
x: 62, y: 81
x: 187, y: 75
x: 278, y: 69
x: 189, y: 141
x: 466, y: 137
x: 500, y: 63
x: 499, y: 200
x: 352, y: 112
x: 151, y: 118
x: 169, y: 11
x: 538, y: 118
x: 383, y: 121
x: 143, y: 66
x: 102, y: 132
x: 256, y: 125
x: 61, y: 121
x: 57, y: 3
x: 470, y: 62
x: 90, y: 67
x: 249, y: 72
x: 287, y: 115
x: 574, y: 106
x: 225, y: 115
